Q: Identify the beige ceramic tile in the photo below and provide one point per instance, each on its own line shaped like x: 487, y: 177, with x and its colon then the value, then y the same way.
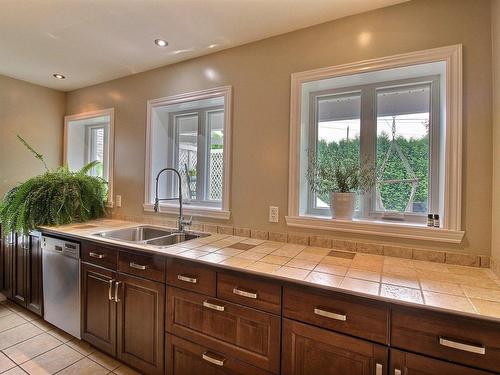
x: 214, y: 258
x: 336, y: 261
x: 362, y: 286
x: 316, y: 250
x: 430, y: 266
x: 4, y: 310
x: 463, y: 259
x: 309, y: 256
x: 81, y: 346
x: 278, y: 237
x: 331, y: 269
x: 60, y: 335
x: 125, y: 370
x: 370, y: 248
x: 5, y: 363
x: 237, y: 262
x: 26, y: 350
x: 27, y: 315
x: 225, y: 230
x: 324, y: 279
x: 296, y: 238
x: 485, y: 261
x: 289, y: 250
x: 209, y: 228
x: 399, y: 262
x: 263, y: 267
x: 469, y: 271
x: 409, y: 282
x: 401, y: 293
x: 252, y: 255
x: 84, y: 367
x: 11, y: 321
x: 104, y: 360
x: 14, y: 371
x: 429, y: 255
x: 363, y: 275
x: 448, y: 301
x: 304, y: 264
x: 229, y: 251
x: 487, y: 307
x: 244, y: 232
x: 253, y: 241
x: 398, y: 270
x: 263, y: 249
x: 398, y: 251
x: 17, y: 334
x: 275, y: 259
x: 52, y: 361
x: 208, y: 248
x: 492, y: 295
x: 441, y: 287
x: 259, y: 234
x: 319, y: 241
x: 344, y: 245
x: 292, y: 273
x: 193, y: 254
x: 43, y: 325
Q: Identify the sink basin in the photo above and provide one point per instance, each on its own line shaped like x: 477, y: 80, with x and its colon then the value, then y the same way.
x: 135, y: 234
x: 173, y: 239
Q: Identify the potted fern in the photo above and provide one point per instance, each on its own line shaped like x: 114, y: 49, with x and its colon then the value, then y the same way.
x: 55, y: 197
x: 339, y: 178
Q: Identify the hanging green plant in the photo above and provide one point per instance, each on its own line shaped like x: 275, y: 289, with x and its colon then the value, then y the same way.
x: 55, y: 197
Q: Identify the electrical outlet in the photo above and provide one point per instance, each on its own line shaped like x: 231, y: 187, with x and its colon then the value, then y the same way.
x: 118, y: 201
x: 274, y: 215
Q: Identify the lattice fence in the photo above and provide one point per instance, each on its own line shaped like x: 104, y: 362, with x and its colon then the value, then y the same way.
x: 216, y: 173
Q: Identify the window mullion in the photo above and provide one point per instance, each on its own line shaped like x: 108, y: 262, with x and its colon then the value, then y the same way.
x: 368, y: 141
x: 201, y: 157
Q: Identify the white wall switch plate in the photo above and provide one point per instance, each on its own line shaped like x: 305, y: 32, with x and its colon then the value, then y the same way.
x: 274, y: 215
x: 118, y: 201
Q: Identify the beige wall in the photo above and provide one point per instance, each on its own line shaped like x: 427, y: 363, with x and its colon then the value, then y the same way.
x: 260, y: 75
x: 36, y: 113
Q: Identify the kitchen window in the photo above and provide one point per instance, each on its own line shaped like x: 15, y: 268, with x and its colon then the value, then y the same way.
x: 398, y: 116
x: 190, y: 132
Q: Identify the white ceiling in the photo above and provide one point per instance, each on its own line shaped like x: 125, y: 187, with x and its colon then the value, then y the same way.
x: 92, y: 41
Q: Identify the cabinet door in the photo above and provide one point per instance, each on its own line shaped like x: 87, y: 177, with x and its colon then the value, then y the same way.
x: 34, y: 290
x: 20, y: 250
x: 309, y: 350
x: 98, y: 308
x: 186, y: 358
x: 404, y: 363
x: 140, y: 323
x: 9, y: 241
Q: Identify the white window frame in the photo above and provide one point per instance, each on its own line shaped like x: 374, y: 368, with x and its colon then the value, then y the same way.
x: 221, y: 211
x: 109, y: 143
x: 451, y: 163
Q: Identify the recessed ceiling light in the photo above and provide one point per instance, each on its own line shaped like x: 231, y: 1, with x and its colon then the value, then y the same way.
x: 161, y: 42
x: 58, y: 76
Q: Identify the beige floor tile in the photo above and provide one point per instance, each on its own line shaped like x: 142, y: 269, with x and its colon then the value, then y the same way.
x: 214, y: 258
x: 229, y: 251
x: 81, y: 346
x: 324, y: 279
x: 17, y: 334
x: 398, y: 270
x: 275, y: 259
x: 441, y: 287
x: 300, y: 263
x: 335, y: 261
x: 15, y: 371
x: 52, y: 361
x: 60, y: 335
x: 104, y: 360
x: 84, y: 366
x: 4, y: 310
x: 363, y: 275
x: 11, y: 321
x: 263, y: 267
x: 492, y: 295
x: 238, y: 262
x: 292, y: 273
x: 401, y: 293
x: 125, y: 370
x: 362, y: 286
x: 5, y: 363
x: 486, y: 307
x: 43, y: 325
x: 28, y: 315
x: 328, y: 268
x: 409, y: 282
x: 26, y: 350
x: 448, y: 301
x: 252, y: 255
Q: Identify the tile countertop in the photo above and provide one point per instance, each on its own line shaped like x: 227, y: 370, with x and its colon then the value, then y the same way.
x: 464, y: 290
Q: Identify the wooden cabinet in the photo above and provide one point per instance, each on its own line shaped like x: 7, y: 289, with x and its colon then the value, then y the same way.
x: 19, y: 262
x: 100, y: 255
x: 404, y: 363
x: 34, y: 279
x: 309, y: 350
x: 140, y: 323
x: 98, y: 307
x: 8, y: 244
x: 191, y: 276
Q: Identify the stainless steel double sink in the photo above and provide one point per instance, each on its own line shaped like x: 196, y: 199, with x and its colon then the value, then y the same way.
x: 150, y: 235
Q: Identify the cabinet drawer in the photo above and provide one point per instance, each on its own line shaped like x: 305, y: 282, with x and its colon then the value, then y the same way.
x: 339, y: 312
x: 100, y: 255
x: 144, y: 265
x: 249, y: 291
x: 186, y: 358
x: 191, y: 276
x: 405, y: 363
x: 250, y: 335
x: 451, y: 337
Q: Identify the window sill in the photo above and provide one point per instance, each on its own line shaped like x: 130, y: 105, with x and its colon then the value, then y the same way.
x: 190, y: 210
x: 378, y: 228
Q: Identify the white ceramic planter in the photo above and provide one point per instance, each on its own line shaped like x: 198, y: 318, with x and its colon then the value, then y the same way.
x: 342, y: 205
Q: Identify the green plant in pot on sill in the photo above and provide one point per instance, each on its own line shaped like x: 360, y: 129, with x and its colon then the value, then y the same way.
x: 339, y: 178
x: 55, y: 197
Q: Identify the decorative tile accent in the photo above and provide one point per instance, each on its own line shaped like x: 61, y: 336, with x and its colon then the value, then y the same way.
x: 278, y: 237
x: 370, y: 248
x: 243, y: 232
x: 341, y: 254
x: 225, y: 230
x: 429, y: 255
x: 259, y: 234
x: 210, y: 228
x: 320, y: 241
x: 398, y: 251
x: 401, y: 293
x: 463, y: 259
x: 485, y: 261
x: 344, y: 245
x: 300, y: 239
x: 242, y: 246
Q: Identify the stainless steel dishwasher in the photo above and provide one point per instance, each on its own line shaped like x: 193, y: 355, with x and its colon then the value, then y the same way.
x: 61, y: 284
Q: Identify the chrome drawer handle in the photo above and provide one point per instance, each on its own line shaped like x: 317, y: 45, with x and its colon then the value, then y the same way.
x: 213, y: 306
x: 187, y: 279
x: 211, y: 359
x: 96, y: 255
x: 329, y: 314
x: 116, y: 291
x: 110, y: 296
x: 379, y: 369
x: 245, y: 293
x: 137, y: 266
x: 397, y: 371
x: 461, y: 346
